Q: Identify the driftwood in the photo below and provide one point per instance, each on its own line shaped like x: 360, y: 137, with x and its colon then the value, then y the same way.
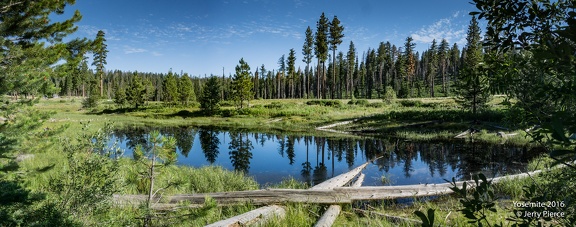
x: 269, y: 211
x: 252, y: 217
x: 505, y: 135
x: 391, y: 218
x: 337, y: 195
x: 330, y: 215
x: 467, y: 133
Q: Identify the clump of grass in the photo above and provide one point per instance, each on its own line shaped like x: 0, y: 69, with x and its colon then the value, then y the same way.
x: 187, y: 180
x: 291, y: 183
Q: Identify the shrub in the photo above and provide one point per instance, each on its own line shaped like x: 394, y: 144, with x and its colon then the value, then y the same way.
x: 359, y: 102
x: 332, y: 103
x: 389, y: 96
x: 411, y: 103
x: 90, y: 102
x: 274, y: 105
x: 376, y: 105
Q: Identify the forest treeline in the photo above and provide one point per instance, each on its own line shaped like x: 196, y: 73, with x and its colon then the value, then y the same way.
x: 347, y: 73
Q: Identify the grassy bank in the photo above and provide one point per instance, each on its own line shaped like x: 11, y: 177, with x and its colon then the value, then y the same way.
x: 423, y: 119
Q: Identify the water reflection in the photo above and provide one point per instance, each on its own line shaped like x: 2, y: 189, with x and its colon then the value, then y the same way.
x: 271, y: 157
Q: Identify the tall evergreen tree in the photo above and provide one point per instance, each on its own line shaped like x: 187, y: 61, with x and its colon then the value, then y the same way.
x: 136, y: 94
x: 336, y: 35
x: 432, y: 66
x: 186, y: 90
x: 410, y: 63
x: 210, y: 97
x: 291, y: 71
x: 321, y: 52
x: 170, y: 86
x: 307, y: 53
x: 472, y: 84
x: 351, y: 57
x: 100, y: 52
x: 280, y: 76
x: 242, y: 84
x: 443, y: 55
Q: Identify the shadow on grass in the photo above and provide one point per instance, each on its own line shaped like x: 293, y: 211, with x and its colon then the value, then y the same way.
x: 187, y: 114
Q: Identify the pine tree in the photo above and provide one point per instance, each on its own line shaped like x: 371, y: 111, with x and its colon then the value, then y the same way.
x: 280, y: 76
x: 120, y: 96
x: 443, y: 54
x: 100, y: 53
x: 242, y: 84
x: 409, y: 63
x: 472, y: 85
x: 307, y: 53
x: 136, y: 94
x: 186, y: 90
x: 336, y: 36
x: 291, y: 70
x: 170, y: 86
x: 321, y: 52
x: 432, y: 66
x: 351, y: 56
x: 24, y: 61
x: 210, y: 97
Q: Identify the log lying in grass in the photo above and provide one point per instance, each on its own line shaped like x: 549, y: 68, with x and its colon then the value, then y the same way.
x: 266, y: 212
x: 330, y: 215
x: 337, y: 195
x: 252, y: 217
x: 391, y: 218
x: 505, y: 135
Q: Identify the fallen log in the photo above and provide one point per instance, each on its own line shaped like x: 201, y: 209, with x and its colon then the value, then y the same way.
x: 266, y: 211
x: 330, y: 215
x: 388, y: 217
x: 337, y: 195
x: 252, y: 217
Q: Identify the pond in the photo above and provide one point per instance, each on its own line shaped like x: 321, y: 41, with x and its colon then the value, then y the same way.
x: 270, y: 158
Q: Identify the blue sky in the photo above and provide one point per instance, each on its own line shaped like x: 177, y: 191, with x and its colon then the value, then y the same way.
x: 202, y: 37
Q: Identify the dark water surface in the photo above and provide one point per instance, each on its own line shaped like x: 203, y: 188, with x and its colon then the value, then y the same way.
x: 269, y: 158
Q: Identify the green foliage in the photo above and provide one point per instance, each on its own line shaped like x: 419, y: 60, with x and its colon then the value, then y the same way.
x: 411, y: 103
x: 210, y: 98
x: 136, y: 94
x: 323, y: 102
x: 170, y: 87
x: 427, y: 221
x: 186, y: 90
x: 90, y: 102
x: 84, y: 189
x: 472, y: 84
x: 389, y: 96
x: 479, y: 203
x: 242, y: 84
x: 120, y: 97
x: 359, y: 102
x: 100, y: 52
x: 158, y: 152
x: 321, y: 39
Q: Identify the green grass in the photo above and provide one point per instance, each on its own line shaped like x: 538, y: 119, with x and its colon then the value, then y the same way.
x: 403, y: 119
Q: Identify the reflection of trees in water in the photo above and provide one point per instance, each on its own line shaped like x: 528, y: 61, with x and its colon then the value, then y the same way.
x: 209, y: 142
x: 290, y: 149
x: 240, y: 151
x: 185, y: 139
x: 456, y: 156
x: 320, y: 174
x: 306, y: 166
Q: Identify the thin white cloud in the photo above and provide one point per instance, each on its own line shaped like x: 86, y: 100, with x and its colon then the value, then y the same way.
x: 446, y: 28
x: 157, y: 54
x: 133, y: 50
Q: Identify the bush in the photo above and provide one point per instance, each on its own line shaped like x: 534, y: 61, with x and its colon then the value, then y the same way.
x: 376, y: 105
x: 274, y: 105
x: 228, y: 112
x: 411, y: 103
x: 359, y: 102
x: 90, y: 102
x: 331, y: 103
x: 389, y: 96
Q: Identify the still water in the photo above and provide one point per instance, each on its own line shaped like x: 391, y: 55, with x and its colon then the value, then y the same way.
x: 269, y: 158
